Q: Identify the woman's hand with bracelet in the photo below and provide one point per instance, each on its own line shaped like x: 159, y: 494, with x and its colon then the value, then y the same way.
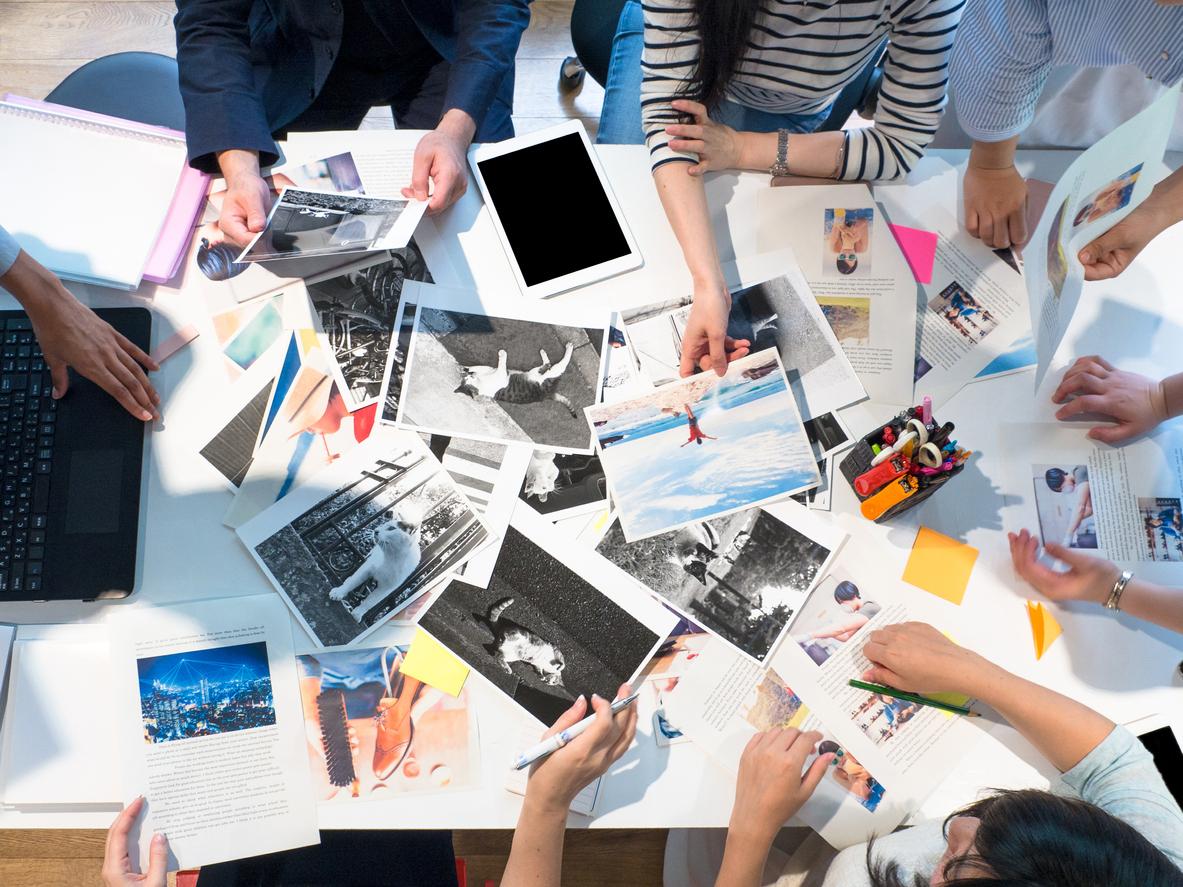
x: 1087, y: 578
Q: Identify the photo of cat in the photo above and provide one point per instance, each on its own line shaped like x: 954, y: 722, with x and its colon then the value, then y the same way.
x: 560, y: 486
x: 548, y: 627
x: 378, y: 529
x: 502, y: 379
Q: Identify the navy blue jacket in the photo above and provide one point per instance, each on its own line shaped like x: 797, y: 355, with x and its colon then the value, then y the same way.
x: 249, y: 67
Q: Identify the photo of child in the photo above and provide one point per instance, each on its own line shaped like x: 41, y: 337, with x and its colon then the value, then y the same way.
x: 881, y: 717
x: 847, y: 238
x: 852, y: 776
x: 963, y: 312
x: 1057, y: 259
x: 1162, y: 521
x: 1064, y: 504
x: 1109, y: 198
x: 834, y: 613
x: 849, y: 317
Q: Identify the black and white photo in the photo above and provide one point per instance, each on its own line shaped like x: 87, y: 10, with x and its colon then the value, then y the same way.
x: 827, y: 434
x: 304, y: 224
x: 356, y: 309
x: 366, y: 537
x: 473, y: 374
x: 742, y: 577
x: 396, y: 360
x: 559, y: 486
x: 550, y: 626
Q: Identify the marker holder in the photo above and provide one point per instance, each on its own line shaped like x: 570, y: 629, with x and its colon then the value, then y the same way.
x: 858, y: 462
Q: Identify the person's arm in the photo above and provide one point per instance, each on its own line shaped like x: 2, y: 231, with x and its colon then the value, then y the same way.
x: 70, y: 334
x: 1001, y: 63
x: 1091, y: 579
x: 536, y: 856
x: 1134, y: 403
x: 117, y: 867
x: 1110, y: 254
x: 487, y: 36
x: 1084, y: 508
x: 916, y: 657
x: 772, y: 786
x: 837, y: 629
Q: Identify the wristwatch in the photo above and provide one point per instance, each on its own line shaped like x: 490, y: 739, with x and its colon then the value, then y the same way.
x: 1114, y: 601
x: 781, y: 167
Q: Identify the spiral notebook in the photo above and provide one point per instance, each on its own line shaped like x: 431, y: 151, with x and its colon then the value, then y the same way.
x: 87, y: 198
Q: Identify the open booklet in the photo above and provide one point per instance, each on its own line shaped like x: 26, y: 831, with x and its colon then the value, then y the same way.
x: 891, y: 754
x: 856, y: 273
x: 1101, y: 187
x: 1123, y: 504
x: 211, y: 730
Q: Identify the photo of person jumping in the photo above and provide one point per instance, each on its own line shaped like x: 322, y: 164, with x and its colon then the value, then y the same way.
x: 696, y: 434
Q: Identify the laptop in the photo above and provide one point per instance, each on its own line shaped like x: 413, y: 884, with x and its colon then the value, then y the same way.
x: 70, y: 489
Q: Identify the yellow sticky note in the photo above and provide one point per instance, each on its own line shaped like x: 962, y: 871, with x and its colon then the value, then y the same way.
x: 1044, y: 627
x: 434, y: 664
x: 940, y: 565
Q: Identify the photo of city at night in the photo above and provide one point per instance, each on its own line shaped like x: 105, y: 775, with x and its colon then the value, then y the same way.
x: 205, y: 692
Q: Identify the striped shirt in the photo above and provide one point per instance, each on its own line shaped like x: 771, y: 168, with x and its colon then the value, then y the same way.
x: 1007, y: 49
x: 800, y: 55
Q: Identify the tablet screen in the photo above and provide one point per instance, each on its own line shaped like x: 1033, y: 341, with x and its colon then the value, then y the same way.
x: 1167, y: 756
x: 553, y: 210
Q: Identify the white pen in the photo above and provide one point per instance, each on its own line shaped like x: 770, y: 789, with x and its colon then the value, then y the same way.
x: 552, y: 744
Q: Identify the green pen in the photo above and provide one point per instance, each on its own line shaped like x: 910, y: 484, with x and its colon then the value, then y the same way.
x: 912, y: 697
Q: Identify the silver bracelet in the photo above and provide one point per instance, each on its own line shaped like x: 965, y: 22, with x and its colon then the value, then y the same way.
x: 1114, y: 600
x: 781, y: 167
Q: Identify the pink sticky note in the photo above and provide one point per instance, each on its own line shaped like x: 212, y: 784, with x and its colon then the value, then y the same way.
x: 175, y: 343
x: 919, y: 249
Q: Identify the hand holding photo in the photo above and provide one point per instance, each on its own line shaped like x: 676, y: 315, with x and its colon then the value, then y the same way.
x: 305, y: 224
x: 704, y: 447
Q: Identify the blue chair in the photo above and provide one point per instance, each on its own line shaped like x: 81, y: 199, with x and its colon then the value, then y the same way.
x: 139, y: 86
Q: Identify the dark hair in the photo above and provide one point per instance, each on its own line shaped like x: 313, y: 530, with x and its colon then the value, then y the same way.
x: 845, y: 591
x: 724, y: 27
x: 847, y: 266
x: 1055, y: 478
x: 1032, y: 837
x: 828, y: 746
x: 216, y: 261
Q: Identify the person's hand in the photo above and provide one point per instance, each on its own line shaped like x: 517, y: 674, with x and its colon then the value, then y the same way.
x: 440, y: 156
x: 117, y: 860
x: 704, y: 343
x: 247, y: 198
x: 71, y: 335
x: 996, y: 206
x: 1087, y: 578
x: 1112, y: 252
x: 557, y: 779
x: 1135, y: 404
x: 717, y: 146
x: 916, y: 657
x: 773, y: 783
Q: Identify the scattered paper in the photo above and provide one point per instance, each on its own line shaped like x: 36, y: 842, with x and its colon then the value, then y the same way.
x: 433, y: 664
x: 175, y: 343
x: 1044, y: 627
x: 940, y: 565
x: 919, y: 249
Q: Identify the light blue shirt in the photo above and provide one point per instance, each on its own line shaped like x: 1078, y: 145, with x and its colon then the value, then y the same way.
x: 9, y: 250
x: 1005, y: 50
x: 1119, y: 776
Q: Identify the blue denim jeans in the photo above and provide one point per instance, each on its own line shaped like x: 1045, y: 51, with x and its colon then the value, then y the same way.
x: 620, y: 119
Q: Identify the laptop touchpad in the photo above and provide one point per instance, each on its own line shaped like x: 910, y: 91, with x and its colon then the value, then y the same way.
x: 95, y: 491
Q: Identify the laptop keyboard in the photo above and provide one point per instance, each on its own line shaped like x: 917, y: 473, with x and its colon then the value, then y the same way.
x: 28, y: 417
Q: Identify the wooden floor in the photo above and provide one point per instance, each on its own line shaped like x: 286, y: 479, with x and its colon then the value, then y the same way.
x: 41, y: 41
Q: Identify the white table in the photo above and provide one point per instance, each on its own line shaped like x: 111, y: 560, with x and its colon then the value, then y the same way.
x: 1121, y: 666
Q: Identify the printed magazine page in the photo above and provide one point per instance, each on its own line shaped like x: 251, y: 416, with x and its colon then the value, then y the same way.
x: 893, y: 753
x: 211, y: 729
x: 1101, y: 187
x: 857, y: 275
x: 1124, y: 504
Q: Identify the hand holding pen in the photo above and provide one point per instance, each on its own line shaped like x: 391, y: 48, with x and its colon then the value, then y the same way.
x: 557, y: 778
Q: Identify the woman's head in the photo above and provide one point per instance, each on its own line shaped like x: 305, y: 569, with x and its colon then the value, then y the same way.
x: 1059, y: 481
x: 847, y: 262
x: 846, y: 593
x: 1035, y: 837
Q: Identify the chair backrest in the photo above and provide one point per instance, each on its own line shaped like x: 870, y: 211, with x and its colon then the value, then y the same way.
x: 139, y: 86
x: 593, y: 25
x: 860, y: 94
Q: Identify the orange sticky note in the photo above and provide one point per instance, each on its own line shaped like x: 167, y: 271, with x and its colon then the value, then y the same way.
x: 940, y: 565
x: 434, y: 664
x: 1044, y: 627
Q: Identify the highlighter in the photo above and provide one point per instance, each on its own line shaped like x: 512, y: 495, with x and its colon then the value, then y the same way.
x: 891, y: 495
x: 883, y: 473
